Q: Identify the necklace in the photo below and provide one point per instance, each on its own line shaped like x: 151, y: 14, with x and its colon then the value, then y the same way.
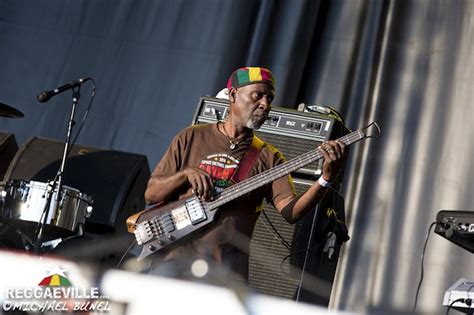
x: 233, y: 144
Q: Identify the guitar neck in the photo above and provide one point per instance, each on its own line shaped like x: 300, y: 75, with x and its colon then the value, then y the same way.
x: 268, y: 176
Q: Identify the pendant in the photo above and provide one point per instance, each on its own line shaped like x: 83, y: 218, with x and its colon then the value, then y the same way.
x: 232, y: 145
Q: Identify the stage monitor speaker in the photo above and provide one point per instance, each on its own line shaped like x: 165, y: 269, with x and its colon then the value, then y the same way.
x: 293, y: 261
x: 115, y: 180
x: 8, y: 148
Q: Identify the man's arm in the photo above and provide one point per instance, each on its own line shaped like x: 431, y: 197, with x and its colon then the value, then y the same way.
x: 294, y: 208
x: 164, y: 188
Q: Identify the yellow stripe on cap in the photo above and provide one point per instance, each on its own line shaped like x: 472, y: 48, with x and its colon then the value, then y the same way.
x: 255, y: 74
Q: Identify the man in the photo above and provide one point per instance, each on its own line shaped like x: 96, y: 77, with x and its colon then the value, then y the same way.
x: 203, y: 159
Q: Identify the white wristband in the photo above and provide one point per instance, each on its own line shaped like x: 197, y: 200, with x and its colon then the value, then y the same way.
x: 324, y: 183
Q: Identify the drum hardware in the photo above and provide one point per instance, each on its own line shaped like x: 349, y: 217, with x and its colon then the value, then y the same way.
x: 44, y: 214
x: 59, y: 204
x: 52, y: 244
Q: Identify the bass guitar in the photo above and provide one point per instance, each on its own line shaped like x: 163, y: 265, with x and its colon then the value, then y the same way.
x: 161, y: 226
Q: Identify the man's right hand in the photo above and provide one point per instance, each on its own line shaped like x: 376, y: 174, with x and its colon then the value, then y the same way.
x: 201, y: 182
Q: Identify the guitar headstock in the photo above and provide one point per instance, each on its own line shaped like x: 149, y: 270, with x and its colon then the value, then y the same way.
x: 372, y: 130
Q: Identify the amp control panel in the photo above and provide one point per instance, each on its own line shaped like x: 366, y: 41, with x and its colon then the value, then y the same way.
x: 281, y: 120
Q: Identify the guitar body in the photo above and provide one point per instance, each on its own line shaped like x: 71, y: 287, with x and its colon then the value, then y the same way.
x: 162, y: 226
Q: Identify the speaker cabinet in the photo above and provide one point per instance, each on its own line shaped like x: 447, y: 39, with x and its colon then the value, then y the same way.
x: 293, y: 261
x: 8, y: 148
x: 115, y: 180
x: 297, y: 261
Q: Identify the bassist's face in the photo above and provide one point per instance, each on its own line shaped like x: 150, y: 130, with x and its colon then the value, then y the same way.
x: 252, y: 103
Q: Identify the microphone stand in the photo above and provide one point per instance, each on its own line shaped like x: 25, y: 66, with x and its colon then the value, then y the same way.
x: 59, y: 176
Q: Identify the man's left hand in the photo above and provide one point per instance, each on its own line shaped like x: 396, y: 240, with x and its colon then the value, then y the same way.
x: 334, y: 153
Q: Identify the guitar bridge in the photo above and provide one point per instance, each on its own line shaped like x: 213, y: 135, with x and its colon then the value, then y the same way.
x: 195, y: 211
x: 143, y: 232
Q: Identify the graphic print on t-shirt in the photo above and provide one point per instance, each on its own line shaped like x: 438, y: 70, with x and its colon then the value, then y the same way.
x: 221, y: 167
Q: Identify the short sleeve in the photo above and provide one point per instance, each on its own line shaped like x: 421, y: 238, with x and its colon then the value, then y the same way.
x: 282, y: 187
x: 170, y: 163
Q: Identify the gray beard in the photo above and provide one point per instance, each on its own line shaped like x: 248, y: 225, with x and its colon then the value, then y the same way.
x: 253, y: 124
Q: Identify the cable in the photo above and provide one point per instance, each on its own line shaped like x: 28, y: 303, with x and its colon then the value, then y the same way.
x: 280, y: 237
x: 422, y: 258
x: 125, y: 254
x: 325, y: 110
x: 84, y: 117
x: 337, y: 115
x: 292, y: 254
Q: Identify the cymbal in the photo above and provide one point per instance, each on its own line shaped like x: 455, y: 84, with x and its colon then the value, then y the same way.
x: 10, y: 112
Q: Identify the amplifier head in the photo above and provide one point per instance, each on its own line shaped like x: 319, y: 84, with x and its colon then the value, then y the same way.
x: 457, y: 226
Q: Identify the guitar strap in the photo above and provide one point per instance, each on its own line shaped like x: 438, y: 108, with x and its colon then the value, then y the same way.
x: 248, y: 160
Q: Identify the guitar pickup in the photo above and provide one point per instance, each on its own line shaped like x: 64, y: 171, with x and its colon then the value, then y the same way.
x: 195, y: 211
x: 164, y: 224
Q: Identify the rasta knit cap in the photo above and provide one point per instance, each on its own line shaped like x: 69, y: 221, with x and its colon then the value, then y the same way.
x: 250, y: 75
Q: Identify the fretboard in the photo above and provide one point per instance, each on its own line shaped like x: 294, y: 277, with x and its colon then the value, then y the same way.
x: 268, y: 176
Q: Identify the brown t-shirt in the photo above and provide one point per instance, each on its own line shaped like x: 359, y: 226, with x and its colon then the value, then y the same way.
x: 228, y: 240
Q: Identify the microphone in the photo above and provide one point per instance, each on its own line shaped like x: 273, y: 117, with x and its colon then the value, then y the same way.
x: 46, y: 95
